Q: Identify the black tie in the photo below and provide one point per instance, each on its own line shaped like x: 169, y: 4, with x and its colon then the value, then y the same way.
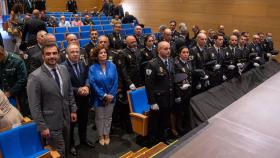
x: 166, y: 64
x: 77, y: 70
x: 56, y: 77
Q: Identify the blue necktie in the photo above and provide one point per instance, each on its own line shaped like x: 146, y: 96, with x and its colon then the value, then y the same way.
x: 77, y: 70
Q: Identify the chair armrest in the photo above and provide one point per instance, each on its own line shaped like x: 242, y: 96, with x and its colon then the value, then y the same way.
x: 132, y: 114
x: 54, y: 153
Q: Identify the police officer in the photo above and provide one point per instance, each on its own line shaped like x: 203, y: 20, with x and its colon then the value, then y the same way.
x: 93, y: 41
x: 34, y: 58
x: 174, y: 33
x: 213, y: 64
x: 116, y: 38
x: 167, y: 36
x: 230, y: 56
x: 198, y: 56
x: 71, y: 6
x: 183, y: 82
x: 147, y: 53
x: 242, y: 55
x: 13, y: 77
x: 139, y: 36
x: 159, y: 82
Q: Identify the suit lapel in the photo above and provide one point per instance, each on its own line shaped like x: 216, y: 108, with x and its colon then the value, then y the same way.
x: 51, y: 79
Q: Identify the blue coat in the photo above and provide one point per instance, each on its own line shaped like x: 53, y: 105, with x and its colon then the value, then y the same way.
x: 101, y: 83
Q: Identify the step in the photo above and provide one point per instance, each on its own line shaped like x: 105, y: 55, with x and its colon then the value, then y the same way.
x: 127, y: 155
x: 140, y: 152
x: 153, y: 151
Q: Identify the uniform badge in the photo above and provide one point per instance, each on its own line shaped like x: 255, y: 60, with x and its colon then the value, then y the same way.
x: 114, y: 39
x: 190, y: 57
x: 161, y: 69
x: 146, y: 54
x: 183, y: 69
x: 212, y: 55
x: 227, y: 53
x: 129, y: 56
x: 148, y: 72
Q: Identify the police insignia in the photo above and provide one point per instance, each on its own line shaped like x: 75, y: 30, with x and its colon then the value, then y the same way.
x: 129, y: 56
x: 160, y: 69
x: 190, y: 57
x: 227, y: 53
x: 146, y: 54
x: 212, y: 55
x: 114, y: 39
x: 148, y: 72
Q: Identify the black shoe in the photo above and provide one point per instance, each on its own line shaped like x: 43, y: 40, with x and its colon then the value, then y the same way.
x: 73, y: 151
x: 88, y: 144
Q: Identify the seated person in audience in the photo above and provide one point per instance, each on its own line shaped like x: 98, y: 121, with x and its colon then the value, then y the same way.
x: 63, y: 22
x: 129, y: 19
x: 87, y: 20
x: 116, y: 19
x: 95, y: 12
x: 86, y: 12
x: 44, y: 17
x: 76, y: 21
x: 9, y: 115
x: 52, y: 22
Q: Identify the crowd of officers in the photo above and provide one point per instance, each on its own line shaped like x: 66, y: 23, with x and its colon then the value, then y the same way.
x: 173, y: 67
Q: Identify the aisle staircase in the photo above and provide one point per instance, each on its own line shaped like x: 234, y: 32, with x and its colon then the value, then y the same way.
x: 145, y: 152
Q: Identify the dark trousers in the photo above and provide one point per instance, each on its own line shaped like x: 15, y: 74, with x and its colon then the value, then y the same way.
x: 82, y: 114
x: 159, y: 122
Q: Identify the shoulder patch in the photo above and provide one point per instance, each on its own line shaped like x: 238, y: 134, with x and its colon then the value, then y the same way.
x: 148, y: 72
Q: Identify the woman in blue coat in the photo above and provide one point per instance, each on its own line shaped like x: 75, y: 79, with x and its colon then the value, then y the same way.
x: 103, y: 78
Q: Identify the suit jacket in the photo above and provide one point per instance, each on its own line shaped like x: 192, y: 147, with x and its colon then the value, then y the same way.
x: 35, y: 59
x: 49, y: 108
x: 80, y: 81
x: 31, y: 28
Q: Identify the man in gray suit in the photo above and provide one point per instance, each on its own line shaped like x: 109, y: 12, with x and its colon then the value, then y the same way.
x: 51, y: 99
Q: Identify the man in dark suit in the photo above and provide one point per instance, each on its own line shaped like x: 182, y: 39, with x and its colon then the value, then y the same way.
x: 32, y: 27
x: 172, y: 26
x: 78, y: 75
x: 34, y: 53
x: 71, y: 6
x: 51, y: 100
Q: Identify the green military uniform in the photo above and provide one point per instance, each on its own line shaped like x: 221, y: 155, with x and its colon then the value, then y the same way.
x: 13, y: 75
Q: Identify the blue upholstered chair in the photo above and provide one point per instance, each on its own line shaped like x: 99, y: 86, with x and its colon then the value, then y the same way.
x: 84, y: 42
x: 22, y: 142
x: 84, y: 34
x: 60, y: 29
x: 85, y: 28
x: 73, y: 29
x: 138, y: 103
x: 147, y: 30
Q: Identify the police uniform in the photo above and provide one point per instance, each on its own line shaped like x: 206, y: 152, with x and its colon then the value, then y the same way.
x: 140, y: 41
x: 175, y: 34
x: 214, y: 58
x: 209, y: 42
x: 242, y: 58
x: 13, y: 77
x: 229, y: 59
x: 116, y: 41
x: 34, y: 59
x: 183, y: 75
x: 198, y: 58
x: 129, y: 67
x: 147, y: 55
x: 159, y: 83
x: 90, y: 45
